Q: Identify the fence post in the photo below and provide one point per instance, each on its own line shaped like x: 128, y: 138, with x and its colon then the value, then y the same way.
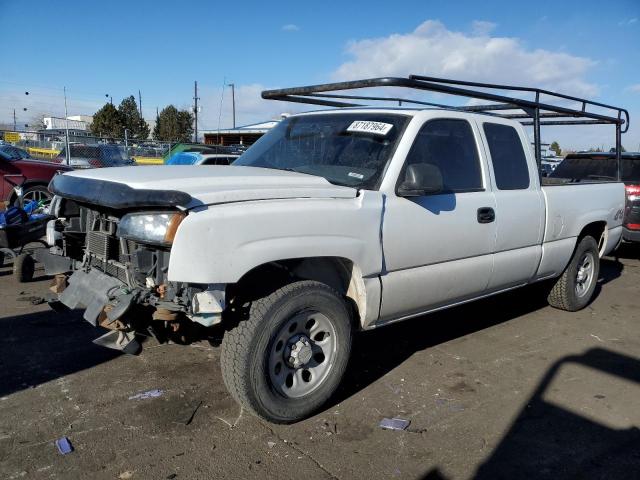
x: 126, y: 142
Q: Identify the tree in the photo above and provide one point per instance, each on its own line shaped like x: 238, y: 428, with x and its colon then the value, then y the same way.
x: 131, y: 119
x: 107, y: 122
x: 37, y: 122
x: 556, y: 148
x: 613, y: 149
x: 173, y: 125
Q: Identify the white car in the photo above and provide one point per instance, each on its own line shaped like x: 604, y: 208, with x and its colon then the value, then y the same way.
x: 333, y: 222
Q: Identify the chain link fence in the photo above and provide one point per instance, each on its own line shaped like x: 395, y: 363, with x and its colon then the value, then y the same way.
x: 84, y: 151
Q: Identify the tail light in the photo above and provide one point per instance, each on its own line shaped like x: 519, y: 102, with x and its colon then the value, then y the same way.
x: 633, y: 194
x: 94, y: 162
x: 57, y: 160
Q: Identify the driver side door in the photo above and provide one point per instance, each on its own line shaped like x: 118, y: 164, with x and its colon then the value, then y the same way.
x: 438, y: 248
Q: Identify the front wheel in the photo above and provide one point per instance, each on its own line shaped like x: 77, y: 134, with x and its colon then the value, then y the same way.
x: 287, y: 358
x: 574, y: 288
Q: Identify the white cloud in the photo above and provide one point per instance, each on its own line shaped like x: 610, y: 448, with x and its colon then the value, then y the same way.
x: 627, y: 22
x: 482, y: 27
x: 290, y: 27
x: 634, y: 88
x: 432, y: 49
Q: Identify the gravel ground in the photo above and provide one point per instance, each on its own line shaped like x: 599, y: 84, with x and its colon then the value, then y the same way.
x: 503, y: 388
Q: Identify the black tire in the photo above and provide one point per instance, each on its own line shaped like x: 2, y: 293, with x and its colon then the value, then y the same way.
x: 248, y: 349
x: 23, y: 267
x: 566, y: 294
x: 36, y: 192
x: 1, y: 259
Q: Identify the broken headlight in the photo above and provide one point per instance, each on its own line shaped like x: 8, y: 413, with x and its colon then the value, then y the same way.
x: 158, y: 228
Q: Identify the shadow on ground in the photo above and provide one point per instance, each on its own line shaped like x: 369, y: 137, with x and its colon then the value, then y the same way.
x: 43, y: 346
x: 548, y: 441
x: 377, y: 352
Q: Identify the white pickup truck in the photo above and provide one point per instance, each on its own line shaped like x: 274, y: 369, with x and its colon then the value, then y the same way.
x: 333, y: 222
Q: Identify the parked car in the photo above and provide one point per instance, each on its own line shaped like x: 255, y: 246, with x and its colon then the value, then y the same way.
x: 546, y: 169
x: 332, y: 222
x: 197, y: 158
x: 94, y: 156
x: 590, y: 166
x: 17, y: 167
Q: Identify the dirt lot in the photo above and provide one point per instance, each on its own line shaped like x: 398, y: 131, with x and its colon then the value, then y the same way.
x: 504, y: 388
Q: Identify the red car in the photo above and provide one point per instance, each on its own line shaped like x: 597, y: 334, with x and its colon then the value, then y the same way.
x: 17, y: 166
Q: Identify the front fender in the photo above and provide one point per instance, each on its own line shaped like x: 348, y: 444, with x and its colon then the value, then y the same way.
x: 220, y: 243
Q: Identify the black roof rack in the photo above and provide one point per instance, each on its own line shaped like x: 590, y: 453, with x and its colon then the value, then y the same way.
x: 534, y: 112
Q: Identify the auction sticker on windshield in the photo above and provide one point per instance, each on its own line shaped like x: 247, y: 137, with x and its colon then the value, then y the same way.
x: 363, y: 126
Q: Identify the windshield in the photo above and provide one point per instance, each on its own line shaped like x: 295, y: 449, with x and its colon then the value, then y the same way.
x: 597, y: 167
x: 350, y: 149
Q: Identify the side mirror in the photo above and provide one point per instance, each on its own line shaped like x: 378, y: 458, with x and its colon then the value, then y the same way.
x: 421, y: 179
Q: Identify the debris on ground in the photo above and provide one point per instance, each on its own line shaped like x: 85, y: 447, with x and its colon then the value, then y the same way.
x: 271, y: 444
x: 126, y: 475
x: 394, y: 423
x: 64, y: 445
x: 155, y: 393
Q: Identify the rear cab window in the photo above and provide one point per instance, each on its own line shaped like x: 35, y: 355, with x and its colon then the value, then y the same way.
x: 510, y: 166
x: 596, y: 166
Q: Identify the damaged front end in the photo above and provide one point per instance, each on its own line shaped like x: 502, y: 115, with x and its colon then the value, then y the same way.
x: 119, y: 259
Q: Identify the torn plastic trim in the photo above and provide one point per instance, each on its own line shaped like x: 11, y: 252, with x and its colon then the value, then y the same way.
x: 115, y: 195
x: 93, y: 290
x: 207, y: 306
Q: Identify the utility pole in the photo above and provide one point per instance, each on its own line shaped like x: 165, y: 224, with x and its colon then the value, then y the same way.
x: 195, y: 111
x: 14, y: 119
x: 66, y: 124
x: 140, y: 103
x: 233, y: 102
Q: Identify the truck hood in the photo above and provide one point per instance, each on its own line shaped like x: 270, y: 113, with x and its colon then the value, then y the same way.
x: 189, y: 186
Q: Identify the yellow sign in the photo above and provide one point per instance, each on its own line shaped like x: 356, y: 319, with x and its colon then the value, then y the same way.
x: 11, y: 137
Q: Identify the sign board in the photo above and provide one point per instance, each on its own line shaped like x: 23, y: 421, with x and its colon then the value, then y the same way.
x: 11, y: 137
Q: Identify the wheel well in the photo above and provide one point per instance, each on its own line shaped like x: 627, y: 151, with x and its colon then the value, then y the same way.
x: 25, y: 185
x: 339, y: 273
x: 597, y: 230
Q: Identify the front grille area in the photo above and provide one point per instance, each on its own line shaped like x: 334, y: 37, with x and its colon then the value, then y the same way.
x: 103, y: 245
x: 110, y: 269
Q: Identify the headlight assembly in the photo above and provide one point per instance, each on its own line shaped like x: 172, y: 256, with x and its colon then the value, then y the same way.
x: 151, y: 227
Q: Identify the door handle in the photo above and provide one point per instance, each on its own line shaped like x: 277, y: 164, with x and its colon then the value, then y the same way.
x: 486, y: 215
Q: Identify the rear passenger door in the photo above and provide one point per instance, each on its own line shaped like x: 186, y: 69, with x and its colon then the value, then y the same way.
x: 520, y: 209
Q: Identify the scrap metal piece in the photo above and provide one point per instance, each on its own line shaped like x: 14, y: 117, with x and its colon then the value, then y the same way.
x: 394, y: 423
x: 118, y: 340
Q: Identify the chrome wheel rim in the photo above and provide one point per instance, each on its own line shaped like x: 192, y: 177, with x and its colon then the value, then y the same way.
x: 584, y: 276
x: 38, y: 196
x: 302, y: 354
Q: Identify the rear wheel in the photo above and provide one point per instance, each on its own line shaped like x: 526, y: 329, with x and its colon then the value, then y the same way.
x: 287, y: 358
x: 574, y: 288
x: 23, y: 267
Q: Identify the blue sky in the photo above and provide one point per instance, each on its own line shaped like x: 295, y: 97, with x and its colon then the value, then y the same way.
x: 161, y: 47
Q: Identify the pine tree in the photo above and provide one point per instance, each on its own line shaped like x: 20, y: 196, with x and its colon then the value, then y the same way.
x: 132, y: 121
x: 556, y: 148
x: 173, y: 125
x: 107, y: 122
